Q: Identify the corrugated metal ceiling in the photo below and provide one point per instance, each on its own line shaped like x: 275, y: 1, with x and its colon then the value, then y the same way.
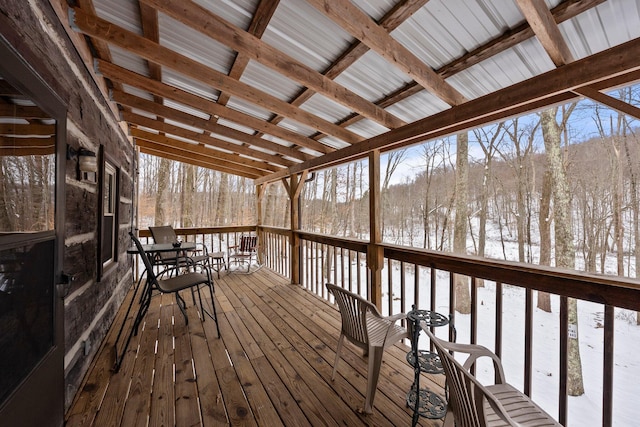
x: 438, y: 34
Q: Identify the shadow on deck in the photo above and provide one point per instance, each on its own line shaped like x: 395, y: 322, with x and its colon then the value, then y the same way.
x: 271, y: 366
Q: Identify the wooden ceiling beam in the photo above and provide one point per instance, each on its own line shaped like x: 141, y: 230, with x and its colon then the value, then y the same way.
x: 532, y: 94
x: 609, y: 101
x: 117, y: 73
x: 206, y: 125
x: 109, y: 32
x: 184, y: 157
x: 84, y: 50
x: 363, y: 28
x: 100, y: 47
x: 390, y: 21
x: 261, y: 18
x: 207, y: 23
x: 22, y: 112
x: 546, y: 30
x: 10, y: 146
x: 161, y: 126
x: 564, y: 11
x: 516, y: 111
x: 173, y: 145
x: 26, y: 129
x: 202, y: 138
x: 8, y: 90
x: 151, y: 30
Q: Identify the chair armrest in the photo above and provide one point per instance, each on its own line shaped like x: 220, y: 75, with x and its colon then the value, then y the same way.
x: 388, y: 323
x: 202, y: 247
x: 475, y: 352
x: 396, y: 317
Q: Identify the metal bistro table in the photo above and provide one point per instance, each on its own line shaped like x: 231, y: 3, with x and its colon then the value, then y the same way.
x: 424, y: 402
x: 147, y: 292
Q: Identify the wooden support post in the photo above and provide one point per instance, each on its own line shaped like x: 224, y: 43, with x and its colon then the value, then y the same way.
x: 260, y: 190
x: 375, y: 252
x: 293, y: 187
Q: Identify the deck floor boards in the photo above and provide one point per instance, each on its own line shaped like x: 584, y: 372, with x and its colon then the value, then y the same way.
x: 271, y: 366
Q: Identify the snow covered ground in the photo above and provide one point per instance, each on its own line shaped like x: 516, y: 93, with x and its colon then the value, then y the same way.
x: 584, y: 410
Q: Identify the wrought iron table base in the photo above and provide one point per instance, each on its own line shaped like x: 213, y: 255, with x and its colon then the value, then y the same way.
x: 425, y: 403
x: 430, y: 404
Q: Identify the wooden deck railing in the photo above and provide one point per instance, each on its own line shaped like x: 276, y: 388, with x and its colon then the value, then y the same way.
x: 427, y: 279
x: 415, y: 276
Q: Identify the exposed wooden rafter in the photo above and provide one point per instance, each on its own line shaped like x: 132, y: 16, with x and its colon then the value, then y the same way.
x: 243, y: 42
x: 546, y: 30
x: 154, y: 52
x: 259, y: 23
x: 270, y: 148
x: 362, y: 27
x: 193, y: 135
x: 553, y: 87
x: 206, y: 125
x: 173, y: 145
x: 510, y: 38
x: 116, y: 73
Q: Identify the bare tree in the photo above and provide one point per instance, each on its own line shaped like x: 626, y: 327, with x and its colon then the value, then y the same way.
x: 162, y: 186
x: 522, y: 139
x: 463, y: 296
x: 394, y: 158
x: 488, y: 139
x: 564, y: 251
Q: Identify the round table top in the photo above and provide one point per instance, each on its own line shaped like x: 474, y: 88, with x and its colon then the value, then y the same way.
x: 430, y: 318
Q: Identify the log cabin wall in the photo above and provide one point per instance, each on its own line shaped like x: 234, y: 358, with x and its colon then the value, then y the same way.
x: 34, y: 30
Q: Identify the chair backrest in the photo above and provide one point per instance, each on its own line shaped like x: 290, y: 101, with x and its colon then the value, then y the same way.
x: 145, y: 259
x: 248, y: 243
x: 353, y: 311
x: 467, y: 395
x: 164, y: 234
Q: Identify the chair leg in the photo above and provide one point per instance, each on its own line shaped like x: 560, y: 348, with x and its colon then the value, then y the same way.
x: 335, y: 363
x: 213, y: 306
x: 449, y: 420
x: 182, y: 306
x: 210, y: 285
x: 375, y: 360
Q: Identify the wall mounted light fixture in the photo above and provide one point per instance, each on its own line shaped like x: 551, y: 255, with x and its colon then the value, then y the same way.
x: 86, y: 160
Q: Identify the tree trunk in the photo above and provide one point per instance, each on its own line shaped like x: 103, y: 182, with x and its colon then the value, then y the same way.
x: 162, y: 185
x: 463, y: 295
x: 544, y: 221
x: 564, y: 251
x: 188, y: 191
x: 221, y: 204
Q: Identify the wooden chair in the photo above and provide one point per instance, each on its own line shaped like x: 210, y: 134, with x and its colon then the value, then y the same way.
x: 472, y: 404
x: 364, y: 327
x: 244, y: 252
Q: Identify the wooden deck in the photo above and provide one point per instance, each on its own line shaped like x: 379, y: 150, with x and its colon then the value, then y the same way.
x: 271, y: 366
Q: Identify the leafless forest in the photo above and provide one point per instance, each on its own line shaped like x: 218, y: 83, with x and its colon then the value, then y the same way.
x: 518, y: 173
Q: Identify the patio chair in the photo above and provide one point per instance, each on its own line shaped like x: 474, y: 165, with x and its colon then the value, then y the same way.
x: 244, y: 252
x: 166, y: 234
x: 364, y: 327
x: 472, y: 404
x: 184, y: 280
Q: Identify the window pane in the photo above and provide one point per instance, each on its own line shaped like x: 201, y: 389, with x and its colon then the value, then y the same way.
x: 27, y: 164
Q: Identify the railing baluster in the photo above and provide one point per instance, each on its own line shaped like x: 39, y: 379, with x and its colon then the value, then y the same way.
x: 474, y: 311
x: 608, y: 362
x: 528, y: 340
x: 564, y: 347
